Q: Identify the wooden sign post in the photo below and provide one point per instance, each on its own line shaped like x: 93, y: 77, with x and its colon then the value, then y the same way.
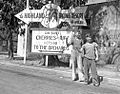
x: 26, y: 30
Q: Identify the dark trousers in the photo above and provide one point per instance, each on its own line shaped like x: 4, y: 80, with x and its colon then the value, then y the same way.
x: 90, y: 64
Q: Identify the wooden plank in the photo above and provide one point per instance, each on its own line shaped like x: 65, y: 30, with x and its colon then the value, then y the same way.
x: 46, y: 61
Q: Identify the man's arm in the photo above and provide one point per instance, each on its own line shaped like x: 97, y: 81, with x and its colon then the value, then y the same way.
x: 96, y: 52
x: 69, y: 41
x: 83, y: 50
x: 79, y: 48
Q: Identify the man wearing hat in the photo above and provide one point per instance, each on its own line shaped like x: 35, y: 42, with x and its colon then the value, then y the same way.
x: 90, y: 56
x: 75, y: 59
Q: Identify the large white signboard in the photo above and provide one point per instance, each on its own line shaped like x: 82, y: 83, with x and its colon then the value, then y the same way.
x: 50, y: 16
x: 50, y: 42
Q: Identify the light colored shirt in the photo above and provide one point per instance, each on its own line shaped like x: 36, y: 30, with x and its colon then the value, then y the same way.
x: 89, y: 49
x: 75, y: 42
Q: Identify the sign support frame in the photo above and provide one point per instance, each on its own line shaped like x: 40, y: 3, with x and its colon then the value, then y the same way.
x: 46, y: 60
x: 26, y: 32
x: 25, y: 49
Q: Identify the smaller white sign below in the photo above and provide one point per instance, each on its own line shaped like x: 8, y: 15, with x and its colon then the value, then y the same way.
x: 50, y: 42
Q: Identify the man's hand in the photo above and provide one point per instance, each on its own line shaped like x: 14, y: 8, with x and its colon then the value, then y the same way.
x: 96, y: 59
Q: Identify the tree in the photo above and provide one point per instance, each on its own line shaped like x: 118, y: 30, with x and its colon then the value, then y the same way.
x: 8, y: 8
x: 10, y: 22
x: 106, y: 21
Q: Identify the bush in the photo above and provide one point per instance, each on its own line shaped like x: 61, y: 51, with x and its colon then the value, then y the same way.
x: 35, y: 56
x: 64, y: 58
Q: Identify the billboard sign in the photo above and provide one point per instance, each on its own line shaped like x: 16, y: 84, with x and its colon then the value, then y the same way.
x: 51, y: 16
x: 50, y: 42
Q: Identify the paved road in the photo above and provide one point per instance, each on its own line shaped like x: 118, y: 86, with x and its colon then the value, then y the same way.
x: 19, y: 80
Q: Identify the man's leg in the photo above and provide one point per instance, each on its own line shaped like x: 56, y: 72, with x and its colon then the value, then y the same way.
x: 70, y: 64
x: 73, y: 62
x: 94, y: 74
x: 86, y: 69
x: 71, y: 48
x: 80, y: 67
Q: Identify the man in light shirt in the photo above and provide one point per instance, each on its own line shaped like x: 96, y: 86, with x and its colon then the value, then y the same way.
x: 76, y: 59
x: 90, y: 56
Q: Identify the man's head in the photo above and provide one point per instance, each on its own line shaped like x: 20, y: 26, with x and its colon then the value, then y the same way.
x: 88, y: 38
x: 49, y: 1
x: 78, y: 35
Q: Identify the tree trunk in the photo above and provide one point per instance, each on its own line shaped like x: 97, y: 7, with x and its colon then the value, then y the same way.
x: 10, y: 47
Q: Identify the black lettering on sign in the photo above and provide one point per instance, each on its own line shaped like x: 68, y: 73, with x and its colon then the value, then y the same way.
x: 42, y: 37
x: 39, y: 15
x: 63, y: 37
x: 21, y: 15
x: 41, y: 47
x: 71, y: 15
x: 47, y: 32
x: 56, y: 48
x: 27, y: 15
x: 36, y: 46
x: 76, y: 22
x: 114, y: 36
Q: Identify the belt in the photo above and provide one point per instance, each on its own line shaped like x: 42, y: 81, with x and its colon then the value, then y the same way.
x: 89, y: 58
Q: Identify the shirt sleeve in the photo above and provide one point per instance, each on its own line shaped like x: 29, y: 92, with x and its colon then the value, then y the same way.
x: 96, y: 51
x: 81, y: 42
x: 96, y: 45
x: 71, y: 39
x: 82, y: 48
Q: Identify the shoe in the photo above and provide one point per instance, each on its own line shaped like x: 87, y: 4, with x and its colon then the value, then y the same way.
x: 95, y: 82
x: 90, y: 79
x: 86, y: 82
x: 74, y: 79
x: 81, y: 81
